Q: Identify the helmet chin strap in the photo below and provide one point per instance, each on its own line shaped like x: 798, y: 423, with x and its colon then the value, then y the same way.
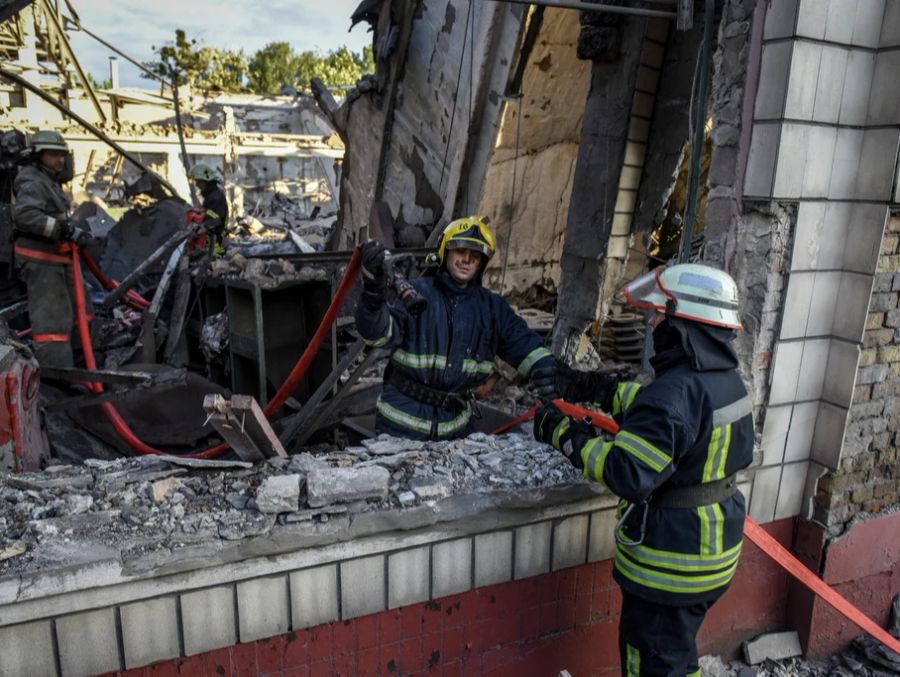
x: 671, y: 301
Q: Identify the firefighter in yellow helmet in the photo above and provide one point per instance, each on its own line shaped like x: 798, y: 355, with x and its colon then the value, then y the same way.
x: 215, y: 204
x: 440, y: 355
x: 674, y: 461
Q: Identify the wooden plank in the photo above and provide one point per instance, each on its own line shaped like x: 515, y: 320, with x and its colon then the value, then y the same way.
x: 242, y: 424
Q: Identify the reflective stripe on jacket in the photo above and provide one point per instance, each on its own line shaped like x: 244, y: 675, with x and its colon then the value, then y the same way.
x: 450, y: 347
x: 683, y: 429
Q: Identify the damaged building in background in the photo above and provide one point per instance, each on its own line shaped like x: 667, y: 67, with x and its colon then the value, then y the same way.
x: 589, y: 141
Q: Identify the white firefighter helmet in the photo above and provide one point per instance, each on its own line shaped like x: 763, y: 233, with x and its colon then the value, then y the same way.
x: 689, y: 290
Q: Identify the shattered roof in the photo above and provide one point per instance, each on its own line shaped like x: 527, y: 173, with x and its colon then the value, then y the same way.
x: 10, y: 7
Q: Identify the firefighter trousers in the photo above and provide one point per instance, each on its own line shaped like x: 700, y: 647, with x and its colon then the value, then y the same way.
x: 51, y: 308
x: 656, y: 640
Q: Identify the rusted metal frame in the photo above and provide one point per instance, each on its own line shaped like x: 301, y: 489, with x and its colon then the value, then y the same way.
x: 131, y: 279
x: 324, y: 412
x: 56, y: 26
x: 295, y: 423
x: 37, y: 91
x: 591, y: 7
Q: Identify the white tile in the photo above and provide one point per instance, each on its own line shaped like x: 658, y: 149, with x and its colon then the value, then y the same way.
x: 618, y: 247
x: 746, y: 488
x: 810, y: 237
x: 813, y: 364
x: 830, y: 85
x: 638, y: 130
x: 884, y: 100
x: 88, y: 643
x: 785, y: 372
x: 601, y: 540
x: 658, y: 29
x: 841, y: 17
x: 760, y: 170
x: 813, y: 475
x: 634, y: 153
x: 263, y: 608
x: 775, y: 66
x: 853, y: 304
x: 625, y: 201
x: 630, y: 178
x: 890, y: 26
x: 451, y: 567
x: 843, y: 361
x: 780, y: 19
x: 867, y: 27
x: 570, y: 539
x: 823, y: 304
x: 800, y: 434
x: 647, y: 79
x: 642, y: 104
x: 150, y: 631
x: 409, y: 576
x: 867, y: 225
x: 774, y: 434
x: 790, y: 493
x: 877, y: 162
x: 362, y: 586
x: 652, y: 54
x: 857, y: 85
x: 846, y: 164
x: 314, y: 596
x: 831, y: 423
x: 801, y: 91
x: 765, y: 493
x: 812, y: 19
x: 791, y: 165
x: 621, y: 224
x: 819, y: 159
x: 27, y: 650
x: 207, y: 619
x: 493, y: 558
x: 796, y: 305
x: 532, y: 550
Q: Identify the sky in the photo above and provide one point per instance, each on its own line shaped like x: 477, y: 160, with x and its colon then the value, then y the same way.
x: 135, y: 26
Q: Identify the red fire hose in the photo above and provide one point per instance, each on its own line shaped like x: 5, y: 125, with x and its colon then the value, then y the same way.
x: 132, y: 298
x: 297, y: 373
x: 752, y: 530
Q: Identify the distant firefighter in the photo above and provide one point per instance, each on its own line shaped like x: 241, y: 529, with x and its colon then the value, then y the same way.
x: 215, y: 205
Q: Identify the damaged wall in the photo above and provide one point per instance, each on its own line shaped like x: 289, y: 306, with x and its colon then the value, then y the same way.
x: 537, y: 146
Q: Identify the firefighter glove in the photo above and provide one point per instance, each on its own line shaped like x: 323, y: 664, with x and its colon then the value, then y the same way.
x: 591, y: 386
x: 81, y: 237
x: 543, y: 379
x: 374, y: 270
x: 566, y: 435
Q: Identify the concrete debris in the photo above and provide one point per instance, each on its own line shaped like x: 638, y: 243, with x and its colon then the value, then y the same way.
x: 267, y: 273
x: 147, y: 512
x: 774, y: 646
x: 214, y: 335
x: 341, y: 485
x: 279, y: 494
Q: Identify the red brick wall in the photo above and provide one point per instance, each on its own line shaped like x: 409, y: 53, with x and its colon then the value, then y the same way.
x: 537, y: 626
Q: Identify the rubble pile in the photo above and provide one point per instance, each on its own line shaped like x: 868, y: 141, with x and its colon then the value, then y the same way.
x: 132, y: 508
x: 269, y: 272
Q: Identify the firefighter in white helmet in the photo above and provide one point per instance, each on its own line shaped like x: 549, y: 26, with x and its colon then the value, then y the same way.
x: 674, y: 461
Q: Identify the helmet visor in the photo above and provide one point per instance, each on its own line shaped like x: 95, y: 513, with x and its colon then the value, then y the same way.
x: 645, y: 291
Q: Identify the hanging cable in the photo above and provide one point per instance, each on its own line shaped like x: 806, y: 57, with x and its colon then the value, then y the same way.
x: 512, y: 196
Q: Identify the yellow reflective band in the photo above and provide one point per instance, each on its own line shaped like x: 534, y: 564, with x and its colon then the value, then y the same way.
x: 671, y: 582
x: 377, y: 343
x: 415, y: 361
x: 625, y: 393
x: 717, y: 453
x: 593, y: 456
x: 478, y: 366
x: 632, y: 661
x: 712, y: 529
x: 538, y: 353
x: 680, y: 561
x: 210, y: 212
x: 695, y: 673
x: 560, y: 430
x: 423, y: 425
x: 641, y: 449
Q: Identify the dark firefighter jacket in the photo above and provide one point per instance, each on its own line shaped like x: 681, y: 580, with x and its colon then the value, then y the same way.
x: 685, y: 428
x: 450, y: 346
x: 40, y: 203
x: 215, y: 208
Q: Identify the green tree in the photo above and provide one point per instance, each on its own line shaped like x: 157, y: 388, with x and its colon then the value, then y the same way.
x: 202, y: 67
x: 277, y: 65
x: 273, y: 67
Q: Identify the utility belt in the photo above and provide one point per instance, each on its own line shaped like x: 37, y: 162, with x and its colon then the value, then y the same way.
x: 692, y: 496
x: 445, y: 399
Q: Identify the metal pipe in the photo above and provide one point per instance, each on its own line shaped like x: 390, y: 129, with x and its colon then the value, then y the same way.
x: 34, y: 89
x: 591, y: 7
x: 693, y: 194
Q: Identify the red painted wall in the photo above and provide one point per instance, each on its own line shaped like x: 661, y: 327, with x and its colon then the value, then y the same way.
x: 537, y: 626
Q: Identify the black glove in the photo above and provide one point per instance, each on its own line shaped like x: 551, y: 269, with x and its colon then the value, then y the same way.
x: 64, y: 229
x: 543, y: 379
x: 81, y: 237
x: 591, y: 386
x: 374, y: 270
x: 566, y: 435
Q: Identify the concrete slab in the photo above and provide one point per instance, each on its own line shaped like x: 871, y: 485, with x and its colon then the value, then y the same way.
x: 263, y: 608
x: 532, y: 550
x: 493, y: 558
x: 208, y: 619
x: 409, y: 577
x: 362, y: 586
x: 451, y: 567
x: 570, y: 539
x: 27, y: 650
x: 601, y: 539
x: 88, y: 643
x: 314, y: 596
x: 775, y: 646
x: 150, y: 631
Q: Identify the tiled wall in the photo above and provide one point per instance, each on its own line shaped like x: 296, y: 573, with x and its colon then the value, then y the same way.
x: 826, y: 126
